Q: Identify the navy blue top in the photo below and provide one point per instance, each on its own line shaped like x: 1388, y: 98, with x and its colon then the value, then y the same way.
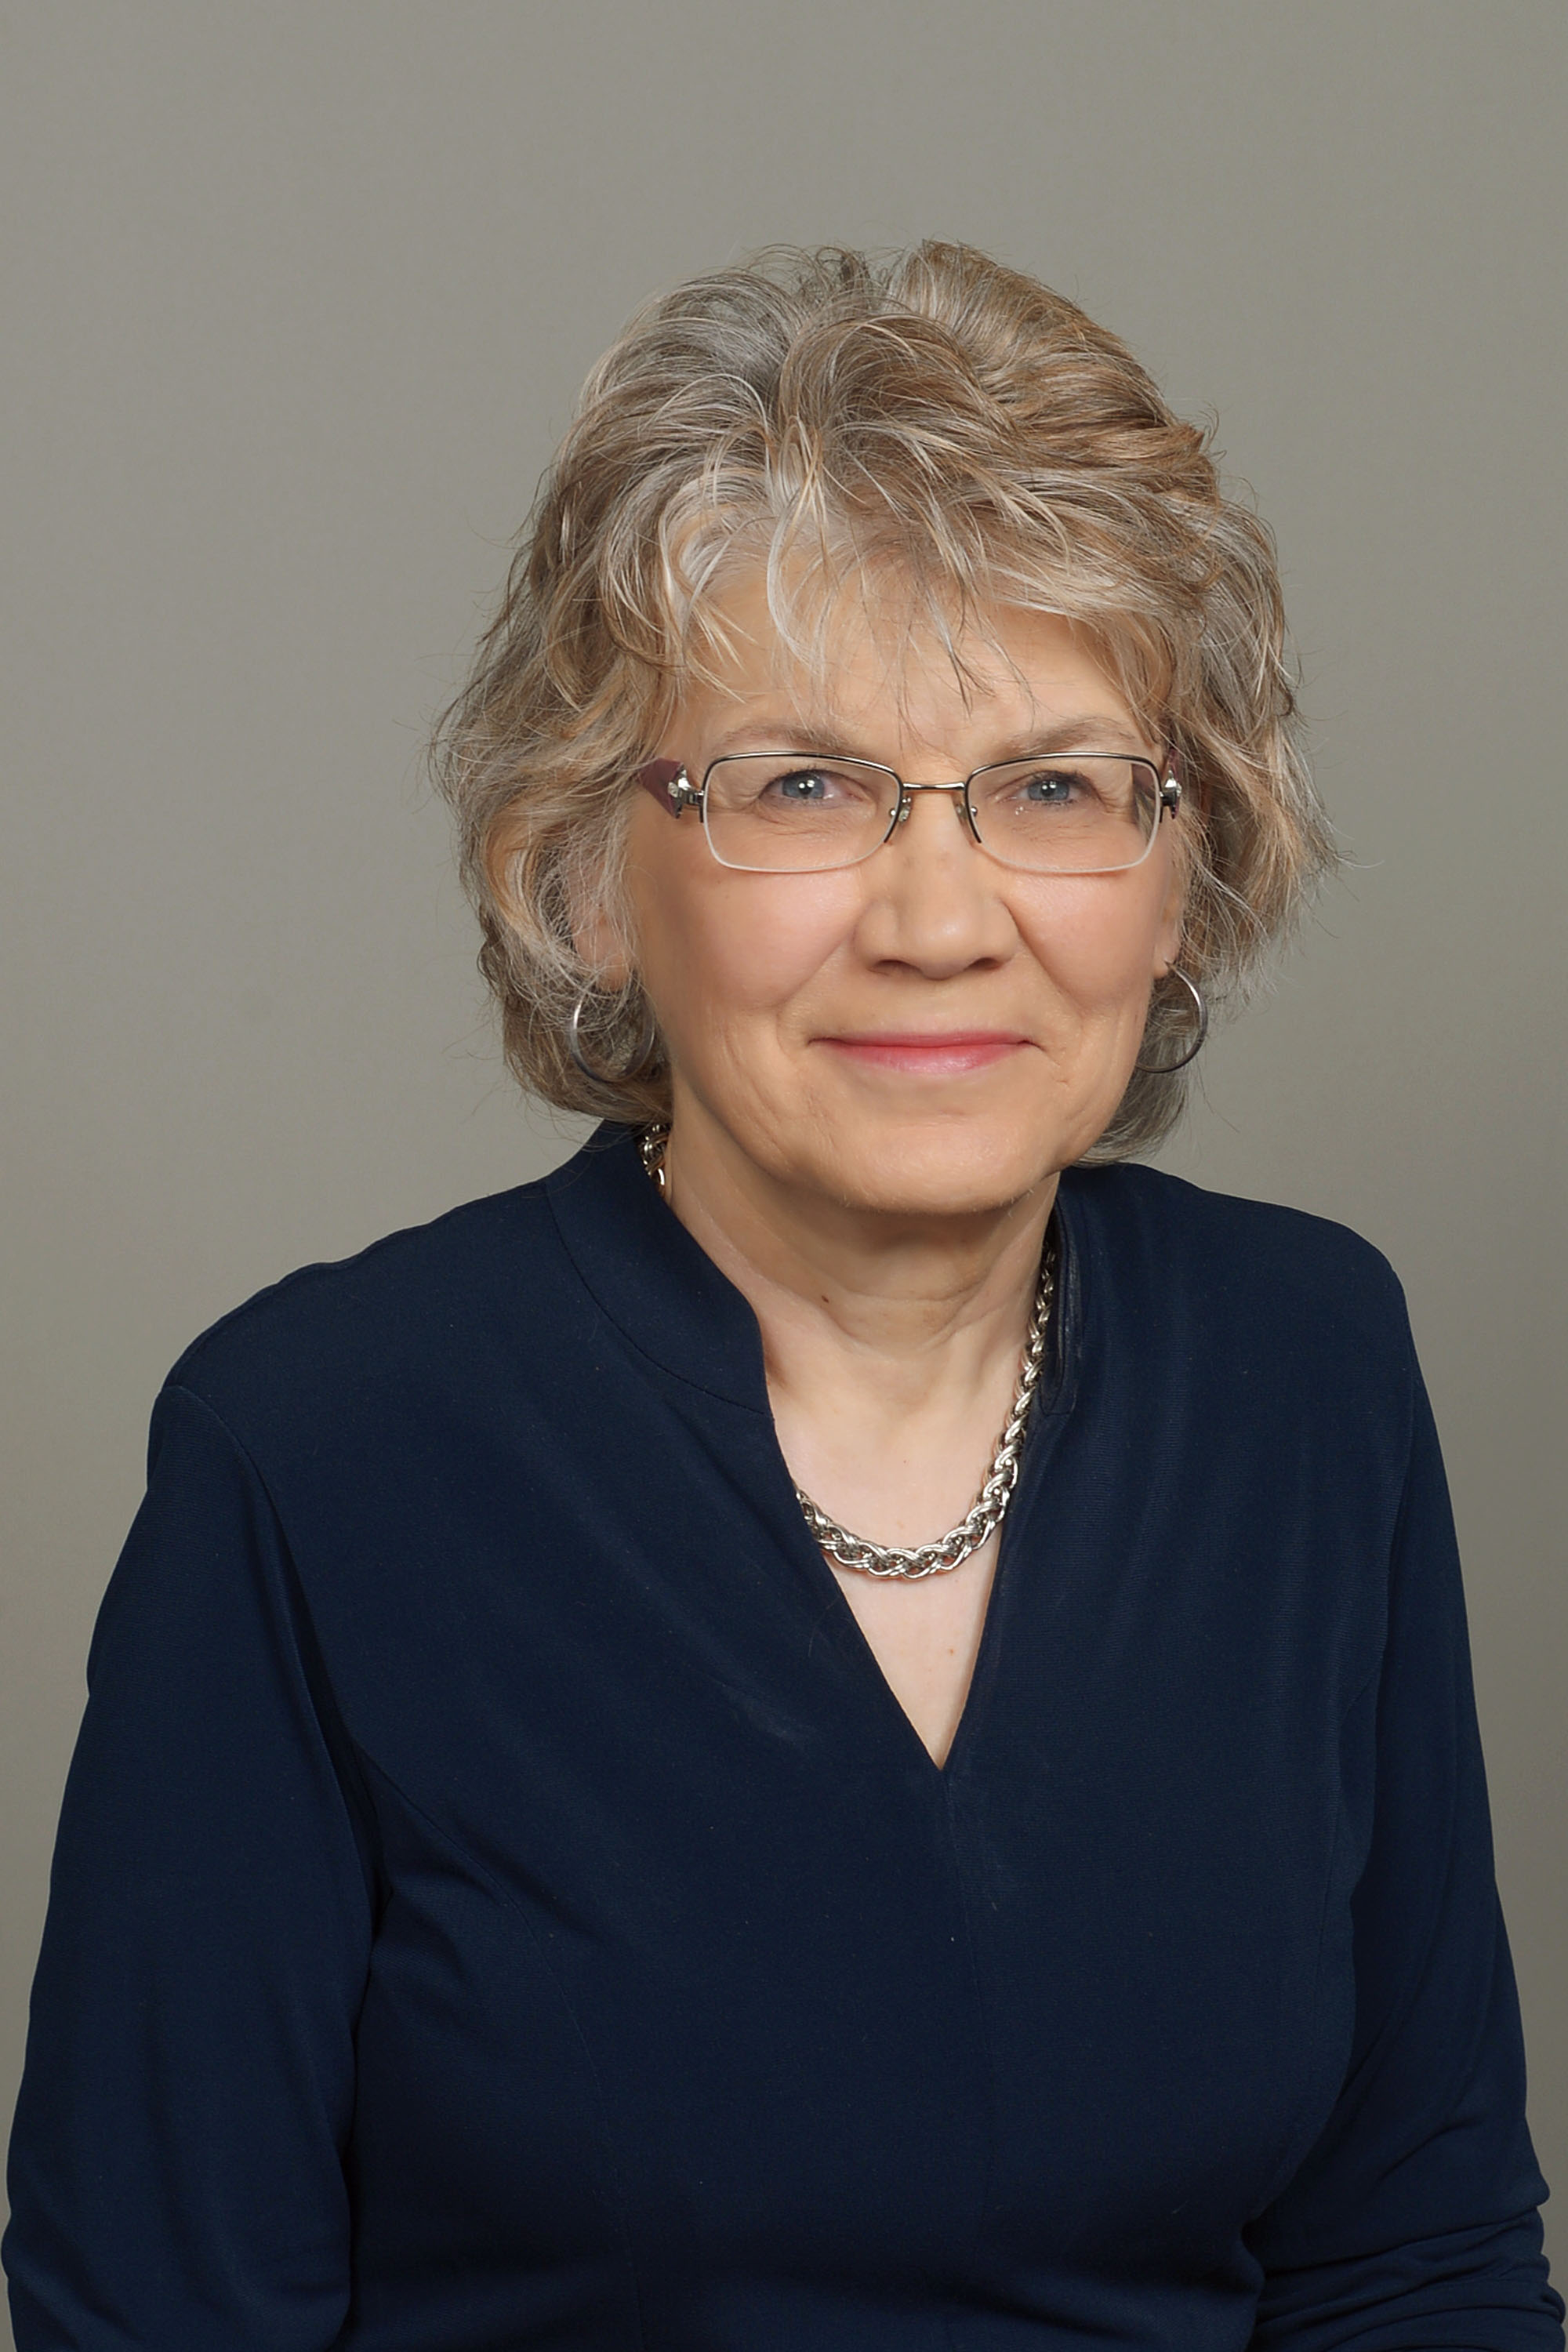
x: 499, y: 1903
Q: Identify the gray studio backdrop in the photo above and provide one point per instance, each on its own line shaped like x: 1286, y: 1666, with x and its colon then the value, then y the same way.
x: 299, y: 296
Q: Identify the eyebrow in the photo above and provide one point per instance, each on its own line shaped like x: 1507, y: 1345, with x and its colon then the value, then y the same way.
x: 792, y: 731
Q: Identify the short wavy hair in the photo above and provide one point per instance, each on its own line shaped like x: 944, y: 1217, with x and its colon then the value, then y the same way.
x: 948, y: 422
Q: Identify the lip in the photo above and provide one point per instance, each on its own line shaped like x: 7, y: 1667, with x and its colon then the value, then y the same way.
x: 928, y: 1053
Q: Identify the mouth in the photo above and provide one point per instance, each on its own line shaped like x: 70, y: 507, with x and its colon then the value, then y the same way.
x: 926, y: 1052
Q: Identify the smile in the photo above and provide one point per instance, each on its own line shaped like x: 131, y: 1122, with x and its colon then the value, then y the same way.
x: 927, y: 1054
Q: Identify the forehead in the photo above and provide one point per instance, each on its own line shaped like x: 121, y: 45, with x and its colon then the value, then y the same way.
x: 869, y: 660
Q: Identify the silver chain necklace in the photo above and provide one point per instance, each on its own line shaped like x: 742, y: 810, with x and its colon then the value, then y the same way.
x: 990, y: 1507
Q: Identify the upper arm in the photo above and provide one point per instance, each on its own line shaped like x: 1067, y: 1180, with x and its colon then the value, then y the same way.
x: 1412, y: 2222
x: 176, y: 2164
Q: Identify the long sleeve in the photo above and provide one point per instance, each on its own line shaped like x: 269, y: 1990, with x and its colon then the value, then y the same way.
x: 176, y: 2177
x: 500, y: 1903
x: 1413, y: 2222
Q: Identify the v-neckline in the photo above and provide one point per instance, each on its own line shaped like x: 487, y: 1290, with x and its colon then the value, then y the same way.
x: 673, y: 1302
x: 1051, y: 1404
x: 983, y: 1674
x: 938, y: 1765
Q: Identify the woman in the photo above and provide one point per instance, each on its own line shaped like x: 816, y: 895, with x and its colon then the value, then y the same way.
x: 613, y: 1810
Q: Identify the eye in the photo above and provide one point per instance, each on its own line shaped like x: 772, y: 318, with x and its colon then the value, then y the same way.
x: 1055, y: 788
x: 808, y: 788
x: 812, y: 788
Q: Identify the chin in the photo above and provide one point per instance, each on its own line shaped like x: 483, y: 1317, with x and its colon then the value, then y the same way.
x: 950, y: 1174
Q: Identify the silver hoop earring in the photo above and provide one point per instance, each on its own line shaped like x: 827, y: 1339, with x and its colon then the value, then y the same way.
x: 1168, y: 1069
x: 647, y: 1038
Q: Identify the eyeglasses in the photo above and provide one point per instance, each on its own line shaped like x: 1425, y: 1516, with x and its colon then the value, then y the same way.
x: 811, y: 812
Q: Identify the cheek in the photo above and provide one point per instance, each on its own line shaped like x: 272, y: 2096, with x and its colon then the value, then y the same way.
x: 717, y: 947
x: 1098, y: 943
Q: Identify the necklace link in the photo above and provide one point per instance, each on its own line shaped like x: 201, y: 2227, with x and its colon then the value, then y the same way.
x: 913, y: 1563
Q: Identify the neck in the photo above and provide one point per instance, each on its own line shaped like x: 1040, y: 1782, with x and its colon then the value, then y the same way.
x: 866, y: 1311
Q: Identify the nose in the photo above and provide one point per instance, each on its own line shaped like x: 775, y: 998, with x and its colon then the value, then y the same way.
x: 932, y: 899
x: 960, y: 801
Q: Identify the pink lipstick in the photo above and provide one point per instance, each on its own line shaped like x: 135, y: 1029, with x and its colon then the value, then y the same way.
x: 927, y: 1052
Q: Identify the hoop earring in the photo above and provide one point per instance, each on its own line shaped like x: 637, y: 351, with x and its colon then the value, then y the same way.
x: 1169, y: 1069
x: 647, y: 1038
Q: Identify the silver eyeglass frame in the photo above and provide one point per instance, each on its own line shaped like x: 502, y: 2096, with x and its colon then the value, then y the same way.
x: 670, y: 783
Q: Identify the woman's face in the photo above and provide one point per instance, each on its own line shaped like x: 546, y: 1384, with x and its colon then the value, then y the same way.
x: 928, y: 1032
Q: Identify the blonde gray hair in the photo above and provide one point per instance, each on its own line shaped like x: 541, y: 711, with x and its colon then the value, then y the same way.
x: 952, y: 423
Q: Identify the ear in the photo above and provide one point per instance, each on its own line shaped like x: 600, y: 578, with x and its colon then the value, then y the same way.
x: 599, y: 942
x: 1172, y: 918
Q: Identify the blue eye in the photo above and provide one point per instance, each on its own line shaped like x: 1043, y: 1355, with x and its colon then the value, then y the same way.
x: 805, y: 786
x: 1053, y: 787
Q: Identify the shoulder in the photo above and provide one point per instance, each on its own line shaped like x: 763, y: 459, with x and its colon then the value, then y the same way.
x: 416, y: 1309
x: 1222, y: 1240
x: 1249, y: 1279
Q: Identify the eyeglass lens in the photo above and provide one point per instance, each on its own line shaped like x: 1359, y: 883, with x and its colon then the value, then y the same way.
x: 791, y: 811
